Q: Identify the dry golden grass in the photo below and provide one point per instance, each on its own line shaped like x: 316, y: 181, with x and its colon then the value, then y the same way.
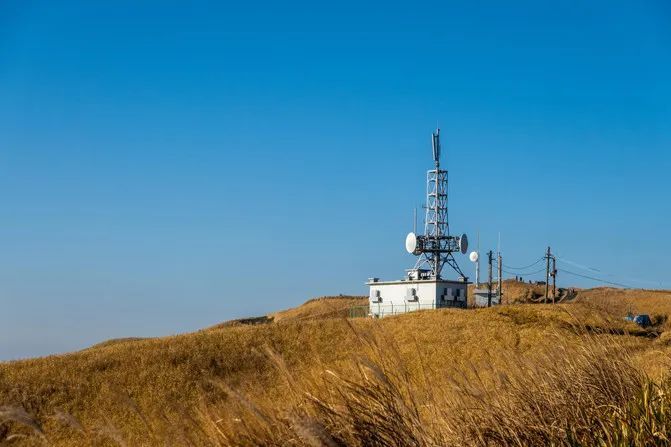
x: 309, y: 378
x: 323, y: 307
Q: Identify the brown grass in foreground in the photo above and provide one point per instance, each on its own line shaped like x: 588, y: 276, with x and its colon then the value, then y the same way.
x: 571, y: 374
x: 590, y: 394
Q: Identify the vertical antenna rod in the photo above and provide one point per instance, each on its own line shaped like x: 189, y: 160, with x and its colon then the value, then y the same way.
x: 435, y: 140
x: 500, y: 279
x: 414, y: 220
x: 435, y: 143
x: 477, y: 264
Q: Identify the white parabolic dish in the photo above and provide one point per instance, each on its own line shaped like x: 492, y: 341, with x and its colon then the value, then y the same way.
x: 474, y: 256
x: 411, y: 243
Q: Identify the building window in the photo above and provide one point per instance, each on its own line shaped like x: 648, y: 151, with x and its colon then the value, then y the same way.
x: 412, y: 295
x: 376, y: 296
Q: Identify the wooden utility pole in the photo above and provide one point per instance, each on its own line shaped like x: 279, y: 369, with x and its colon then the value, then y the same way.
x: 547, y: 275
x: 489, y: 282
x: 554, y: 279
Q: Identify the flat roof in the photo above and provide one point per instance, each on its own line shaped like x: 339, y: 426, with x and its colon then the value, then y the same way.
x: 418, y: 281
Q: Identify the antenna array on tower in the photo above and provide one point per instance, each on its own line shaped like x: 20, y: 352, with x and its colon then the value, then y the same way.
x: 436, y: 246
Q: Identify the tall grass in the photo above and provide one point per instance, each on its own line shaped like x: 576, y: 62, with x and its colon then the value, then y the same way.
x: 569, y: 395
x: 513, y: 375
x: 583, y: 395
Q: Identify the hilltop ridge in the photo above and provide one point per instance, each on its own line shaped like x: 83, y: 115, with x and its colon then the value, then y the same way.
x: 168, y: 377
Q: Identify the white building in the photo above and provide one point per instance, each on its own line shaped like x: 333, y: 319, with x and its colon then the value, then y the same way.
x: 417, y: 292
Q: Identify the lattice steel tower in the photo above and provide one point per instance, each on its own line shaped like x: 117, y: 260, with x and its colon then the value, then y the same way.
x: 436, y: 246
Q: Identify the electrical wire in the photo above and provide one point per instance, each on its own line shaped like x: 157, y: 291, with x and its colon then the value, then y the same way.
x: 593, y: 269
x: 575, y: 264
x: 507, y: 269
x: 524, y: 274
x: 596, y: 279
x: 526, y: 267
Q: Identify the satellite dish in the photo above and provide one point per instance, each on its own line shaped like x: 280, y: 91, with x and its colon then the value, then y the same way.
x: 474, y: 256
x: 463, y: 244
x: 411, y: 243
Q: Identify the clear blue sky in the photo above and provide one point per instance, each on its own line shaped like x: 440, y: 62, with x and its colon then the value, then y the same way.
x: 168, y: 167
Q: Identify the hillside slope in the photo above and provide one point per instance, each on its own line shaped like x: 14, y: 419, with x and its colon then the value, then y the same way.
x: 133, y: 390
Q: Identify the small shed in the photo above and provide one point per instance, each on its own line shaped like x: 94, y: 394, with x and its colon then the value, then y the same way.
x: 482, y: 297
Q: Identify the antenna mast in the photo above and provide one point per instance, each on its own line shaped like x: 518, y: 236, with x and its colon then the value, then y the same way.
x: 437, y: 244
x: 414, y: 220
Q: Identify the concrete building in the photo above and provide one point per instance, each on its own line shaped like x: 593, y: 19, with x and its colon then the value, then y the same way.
x: 415, y: 293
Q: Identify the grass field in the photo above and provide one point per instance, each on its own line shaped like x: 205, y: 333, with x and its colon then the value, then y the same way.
x: 519, y: 374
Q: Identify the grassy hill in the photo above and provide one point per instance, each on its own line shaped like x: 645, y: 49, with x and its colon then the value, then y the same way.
x: 575, y: 372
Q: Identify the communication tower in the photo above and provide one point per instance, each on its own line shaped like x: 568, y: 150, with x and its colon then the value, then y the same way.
x: 424, y: 286
x: 436, y: 247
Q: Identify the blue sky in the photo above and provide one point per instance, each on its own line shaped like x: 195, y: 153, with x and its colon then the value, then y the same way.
x: 165, y: 167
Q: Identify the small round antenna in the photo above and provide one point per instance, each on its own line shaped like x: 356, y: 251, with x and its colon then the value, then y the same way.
x: 474, y: 256
x: 411, y: 243
x: 463, y: 244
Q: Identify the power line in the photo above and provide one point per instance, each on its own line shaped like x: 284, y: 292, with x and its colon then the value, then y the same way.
x: 507, y: 269
x: 594, y: 269
x: 524, y: 274
x: 597, y: 279
x: 580, y: 266
x: 525, y: 267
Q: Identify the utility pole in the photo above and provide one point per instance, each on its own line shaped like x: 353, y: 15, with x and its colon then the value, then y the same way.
x: 554, y: 279
x: 500, y: 278
x: 489, y: 283
x: 547, y: 275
